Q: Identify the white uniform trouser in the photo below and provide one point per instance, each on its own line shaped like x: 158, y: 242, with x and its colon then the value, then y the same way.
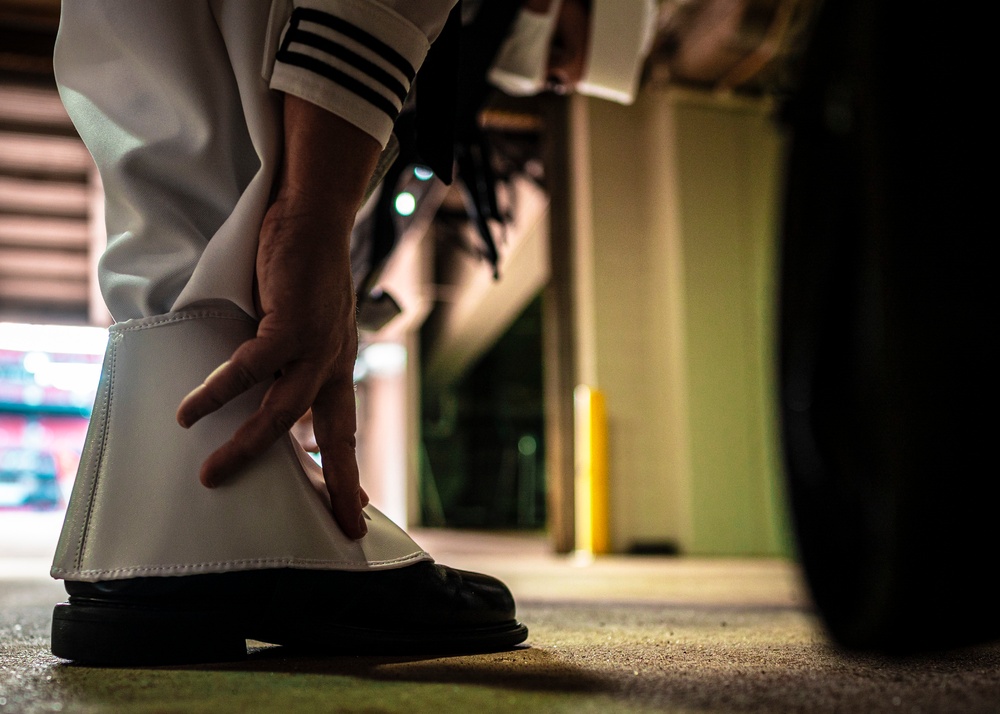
x: 173, y: 100
x: 178, y: 102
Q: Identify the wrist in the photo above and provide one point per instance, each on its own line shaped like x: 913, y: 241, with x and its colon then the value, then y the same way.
x: 328, y: 160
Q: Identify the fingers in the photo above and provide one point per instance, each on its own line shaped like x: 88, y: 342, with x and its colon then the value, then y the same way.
x: 252, y: 363
x: 335, y: 423
x: 283, y: 404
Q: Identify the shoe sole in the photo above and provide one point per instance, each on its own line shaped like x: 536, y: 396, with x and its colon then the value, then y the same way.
x: 112, y: 635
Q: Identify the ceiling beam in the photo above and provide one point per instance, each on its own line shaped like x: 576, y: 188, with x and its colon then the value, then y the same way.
x: 31, y: 231
x: 43, y: 197
x: 39, y: 290
x: 34, y: 155
x: 23, y: 262
x: 32, y: 105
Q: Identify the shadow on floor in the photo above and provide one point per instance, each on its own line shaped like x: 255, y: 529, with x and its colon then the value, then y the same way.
x: 782, y: 678
x: 718, y: 637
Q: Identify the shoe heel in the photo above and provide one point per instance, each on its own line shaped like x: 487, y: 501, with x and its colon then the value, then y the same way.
x: 99, y: 634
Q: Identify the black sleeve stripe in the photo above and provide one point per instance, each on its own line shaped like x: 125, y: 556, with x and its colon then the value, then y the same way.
x: 334, y: 49
x: 354, y: 32
x: 339, y: 77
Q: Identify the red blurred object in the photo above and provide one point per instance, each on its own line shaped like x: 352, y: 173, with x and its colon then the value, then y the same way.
x: 38, y: 459
x: 45, y: 403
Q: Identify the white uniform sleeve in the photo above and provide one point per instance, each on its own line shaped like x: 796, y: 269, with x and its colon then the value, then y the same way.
x: 355, y: 58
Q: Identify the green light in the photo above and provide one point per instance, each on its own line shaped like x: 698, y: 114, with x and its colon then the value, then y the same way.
x: 406, y: 204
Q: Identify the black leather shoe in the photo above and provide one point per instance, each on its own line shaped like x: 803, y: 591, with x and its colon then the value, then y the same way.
x: 423, y: 608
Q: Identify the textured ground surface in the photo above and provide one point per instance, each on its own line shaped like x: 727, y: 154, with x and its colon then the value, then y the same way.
x: 615, y: 635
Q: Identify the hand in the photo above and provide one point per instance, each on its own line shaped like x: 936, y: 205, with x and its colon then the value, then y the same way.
x: 307, y: 338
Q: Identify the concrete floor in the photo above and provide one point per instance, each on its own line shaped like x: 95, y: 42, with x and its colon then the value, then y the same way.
x: 612, y: 635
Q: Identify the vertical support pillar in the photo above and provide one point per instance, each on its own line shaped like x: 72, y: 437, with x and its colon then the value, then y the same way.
x: 559, y: 334
x: 672, y: 203
x: 411, y: 341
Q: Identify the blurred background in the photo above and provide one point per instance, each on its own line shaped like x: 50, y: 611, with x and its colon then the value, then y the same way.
x: 613, y: 390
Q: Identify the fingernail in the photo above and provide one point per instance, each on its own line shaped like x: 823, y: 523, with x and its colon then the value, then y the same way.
x: 362, y: 526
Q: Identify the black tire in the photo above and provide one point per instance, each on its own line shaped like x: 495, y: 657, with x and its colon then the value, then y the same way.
x: 887, y: 364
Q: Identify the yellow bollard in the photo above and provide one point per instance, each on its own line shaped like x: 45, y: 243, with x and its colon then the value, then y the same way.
x: 591, y: 470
